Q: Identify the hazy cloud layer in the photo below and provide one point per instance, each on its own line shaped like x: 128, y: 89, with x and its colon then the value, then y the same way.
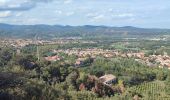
x: 5, y: 14
x: 19, y: 5
x: 141, y: 13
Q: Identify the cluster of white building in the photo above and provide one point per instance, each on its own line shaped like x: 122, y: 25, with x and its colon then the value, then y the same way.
x: 88, y: 52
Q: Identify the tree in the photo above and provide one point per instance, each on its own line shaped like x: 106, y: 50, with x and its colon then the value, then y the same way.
x: 167, y: 89
x: 72, y: 80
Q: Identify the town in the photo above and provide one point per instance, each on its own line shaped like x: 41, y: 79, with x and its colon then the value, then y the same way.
x: 151, y: 60
x: 161, y: 61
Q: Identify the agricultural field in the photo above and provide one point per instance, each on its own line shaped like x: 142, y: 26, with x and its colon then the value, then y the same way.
x: 151, y: 91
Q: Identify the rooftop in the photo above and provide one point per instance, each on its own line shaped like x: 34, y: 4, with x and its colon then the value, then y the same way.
x: 107, y: 77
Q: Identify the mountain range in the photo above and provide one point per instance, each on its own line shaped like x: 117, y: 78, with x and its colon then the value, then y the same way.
x: 86, y: 31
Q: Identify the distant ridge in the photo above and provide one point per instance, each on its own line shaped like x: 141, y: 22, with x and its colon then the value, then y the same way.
x: 55, y: 31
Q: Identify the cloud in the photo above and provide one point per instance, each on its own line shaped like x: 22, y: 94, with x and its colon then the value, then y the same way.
x: 68, y: 1
x: 41, y: 0
x: 123, y: 15
x: 70, y: 13
x: 2, y: 2
x: 110, y: 9
x: 91, y: 15
x: 58, y: 12
x: 31, y: 21
x: 5, y: 14
x: 97, y: 18
x: 18, y: 14
x: 20, y: 5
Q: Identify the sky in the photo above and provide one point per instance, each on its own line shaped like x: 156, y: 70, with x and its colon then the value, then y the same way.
x: 138, y: 13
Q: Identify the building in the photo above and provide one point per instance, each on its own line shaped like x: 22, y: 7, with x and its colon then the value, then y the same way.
x: 108, y: 79
x: 53, y: 58
x: 80, y: 61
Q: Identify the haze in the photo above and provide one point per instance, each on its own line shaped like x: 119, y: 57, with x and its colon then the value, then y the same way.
x: 138, y: 13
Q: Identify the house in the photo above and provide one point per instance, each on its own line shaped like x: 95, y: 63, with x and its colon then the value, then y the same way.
x: 80, y: 61
x: 108, y: 79
x: 141, y: 55
x: 53, y: 58
x: 167, y: 65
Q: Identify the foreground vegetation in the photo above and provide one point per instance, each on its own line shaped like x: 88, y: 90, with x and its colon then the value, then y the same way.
x: 24, y: 76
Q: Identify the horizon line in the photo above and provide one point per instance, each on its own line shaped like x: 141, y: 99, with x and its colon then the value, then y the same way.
x: 111, y: 26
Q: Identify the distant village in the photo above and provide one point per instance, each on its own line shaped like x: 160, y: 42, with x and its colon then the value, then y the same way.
x: 162, y: 61
x: 19, y: 43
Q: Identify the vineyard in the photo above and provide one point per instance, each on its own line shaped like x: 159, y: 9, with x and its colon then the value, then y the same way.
x: 151, y: 91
